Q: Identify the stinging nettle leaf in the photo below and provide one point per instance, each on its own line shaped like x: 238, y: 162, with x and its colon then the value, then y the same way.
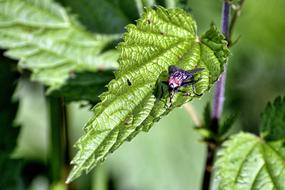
x: 50, y: 43
x: 9, y: 132
x: 226, y: 125
x: 246, y: 162
x: 159, y: 39
x: 84, y: 86
x: 116, y: 13
x: 273, y: 120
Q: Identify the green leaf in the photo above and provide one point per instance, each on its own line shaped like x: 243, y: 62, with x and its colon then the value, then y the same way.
x: 8, y: 78
x: 84, y: 86
x: 226, y: 125
x: 205, y: 130
x: 207, y: 116
x: 49, y: 42
x: 205, y: 133
x: 10, y: 179
x: 168, y: 3
x: 8, y: 108
x: 235, y: 2
x: 246, y: 162
x: 116, y: 13
x: 8, y: 131
x: 159, y: 39
x: 273, y: 120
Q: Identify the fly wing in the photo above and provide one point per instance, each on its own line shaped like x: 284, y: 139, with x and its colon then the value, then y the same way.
x: 190, y: 73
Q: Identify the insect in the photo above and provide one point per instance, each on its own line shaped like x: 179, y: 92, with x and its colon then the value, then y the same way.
x: 178, y: 78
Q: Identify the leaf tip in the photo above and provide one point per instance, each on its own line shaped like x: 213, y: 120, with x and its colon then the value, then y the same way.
x: 74, y: 173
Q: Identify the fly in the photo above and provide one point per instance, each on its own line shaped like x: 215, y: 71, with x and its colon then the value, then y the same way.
x: 178, y: 78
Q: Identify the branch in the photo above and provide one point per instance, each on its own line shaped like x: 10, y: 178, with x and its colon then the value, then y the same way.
x: 237, y: 9
x: 218, y: 103
x: 59, y: 141
x: 227, y: 29
x: 220, y: 86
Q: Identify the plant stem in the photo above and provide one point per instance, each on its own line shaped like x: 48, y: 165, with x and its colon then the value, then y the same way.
x: 139, y: 5
x: 218, y: 103
x: 59, y: 151
x: 220, y: 86
x: 193, y: 114
x: 233, y: 20
x: 211, y: 147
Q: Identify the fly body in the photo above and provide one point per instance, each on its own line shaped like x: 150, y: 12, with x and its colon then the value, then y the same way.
x: 178, y: 78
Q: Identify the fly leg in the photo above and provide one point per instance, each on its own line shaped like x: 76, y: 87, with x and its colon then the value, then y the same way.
x: 171, y: 93
x: 192, y: 82
x: 185, y: 93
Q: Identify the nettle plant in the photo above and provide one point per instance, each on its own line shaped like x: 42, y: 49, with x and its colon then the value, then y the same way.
x: 162, y: 64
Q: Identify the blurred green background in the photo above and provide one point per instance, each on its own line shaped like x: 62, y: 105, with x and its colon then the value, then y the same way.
x: 171, y: 155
